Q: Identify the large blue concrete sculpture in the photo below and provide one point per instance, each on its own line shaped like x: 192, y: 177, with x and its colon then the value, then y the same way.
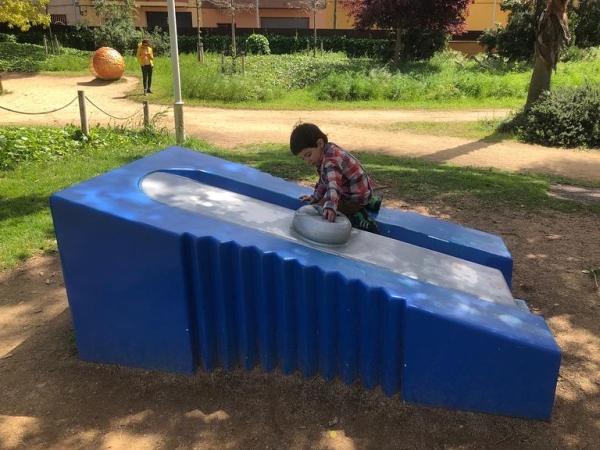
x: 182, y: 259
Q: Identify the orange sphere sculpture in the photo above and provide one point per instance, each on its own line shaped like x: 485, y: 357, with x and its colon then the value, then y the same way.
x: 108, y: 64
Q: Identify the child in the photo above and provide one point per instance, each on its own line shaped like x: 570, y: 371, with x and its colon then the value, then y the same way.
x: 343, y: 183
x: 146, y: 59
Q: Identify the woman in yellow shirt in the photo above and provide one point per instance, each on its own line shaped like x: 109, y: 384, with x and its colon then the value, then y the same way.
x: 146, y: 59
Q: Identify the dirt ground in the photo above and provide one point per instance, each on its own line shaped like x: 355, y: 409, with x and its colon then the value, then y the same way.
x: 353, y: 129
x: 51, y: 399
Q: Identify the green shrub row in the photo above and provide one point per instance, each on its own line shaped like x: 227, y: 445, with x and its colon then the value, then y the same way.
x: 20, y: 145
x: 418, y: 44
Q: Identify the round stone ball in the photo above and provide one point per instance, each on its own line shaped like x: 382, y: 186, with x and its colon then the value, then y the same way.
x: 108, y: 64
x: 309, y: 223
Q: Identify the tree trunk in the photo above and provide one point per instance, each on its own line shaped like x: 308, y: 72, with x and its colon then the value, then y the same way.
x: 199, y: 44
x: 551, y: 35
x: 258, y: 14
x: 233, y: 43
x: 399, y: 46
x: 315, y: 28
x: 540, y: 81
x: 334, y: 14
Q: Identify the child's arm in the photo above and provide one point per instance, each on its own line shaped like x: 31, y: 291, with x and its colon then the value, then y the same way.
x: 320, y: 189
x: 150, y: 55
x: 331, y: 197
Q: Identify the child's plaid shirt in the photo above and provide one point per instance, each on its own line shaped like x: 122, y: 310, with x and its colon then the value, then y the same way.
x: 341, y: 176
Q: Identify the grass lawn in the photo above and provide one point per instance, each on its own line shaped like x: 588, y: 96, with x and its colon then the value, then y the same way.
x: 51, y: 159
x: 481, y: 129
x: 329, y: 81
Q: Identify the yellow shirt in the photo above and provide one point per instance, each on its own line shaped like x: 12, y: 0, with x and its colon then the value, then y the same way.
x: 144, y: 55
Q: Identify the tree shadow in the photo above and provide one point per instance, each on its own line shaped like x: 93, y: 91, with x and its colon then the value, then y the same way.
x: 22, y: 206
x: 469, y: 147
x: 460, y: 150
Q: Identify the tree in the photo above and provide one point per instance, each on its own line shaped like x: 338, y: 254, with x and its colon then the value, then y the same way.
x: 551, y: 35
x: 199, y: 44
x: 401, y: 15
x: 233, y: 6
x: 24, y: 13
x: 313, y: 6
x: 118, y: 24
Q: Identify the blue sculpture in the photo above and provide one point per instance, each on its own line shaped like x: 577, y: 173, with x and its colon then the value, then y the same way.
x: 181, y: 259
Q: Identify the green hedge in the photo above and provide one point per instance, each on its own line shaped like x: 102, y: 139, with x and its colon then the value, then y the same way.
x: 417, y: 44
x: 563, y: 118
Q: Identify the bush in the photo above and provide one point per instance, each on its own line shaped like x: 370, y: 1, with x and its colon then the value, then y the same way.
x: 258, y: 45
x: 563, y: 118
x: 516, y: 40
x: 20, y: 144
x: 21, y: 57
x: 8, y: 38
x: 33, y: 58
x: 489, y: 38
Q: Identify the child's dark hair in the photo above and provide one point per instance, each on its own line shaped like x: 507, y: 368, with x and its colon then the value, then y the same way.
x: 305, y: 135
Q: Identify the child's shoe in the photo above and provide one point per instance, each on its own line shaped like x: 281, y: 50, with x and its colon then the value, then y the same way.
x: 362, y: 221
x: 374, y: 204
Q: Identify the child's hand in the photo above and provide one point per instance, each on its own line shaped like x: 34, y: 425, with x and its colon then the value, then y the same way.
x: 329, y: 214
x: 307, y: 198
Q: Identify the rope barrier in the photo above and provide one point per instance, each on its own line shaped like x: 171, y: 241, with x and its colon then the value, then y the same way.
x: 110, y: 115
x: 36, y: 113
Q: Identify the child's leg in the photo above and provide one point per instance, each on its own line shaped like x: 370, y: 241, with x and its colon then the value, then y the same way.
x: 358, y: 215
x: 145, y: 78
x: 149, y: 79
x: 374, y: 204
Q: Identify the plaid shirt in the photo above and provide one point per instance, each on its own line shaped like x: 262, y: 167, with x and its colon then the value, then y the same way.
x: 341, y: 177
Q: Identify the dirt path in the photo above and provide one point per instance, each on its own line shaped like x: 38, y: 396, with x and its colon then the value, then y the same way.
x: 49, y: 399
x: 231, y: 128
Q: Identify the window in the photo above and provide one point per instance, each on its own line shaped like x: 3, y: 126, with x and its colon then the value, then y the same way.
x: 284, y: 22
x: 160, y: 19
x: 60, y: 19
x: 225, y: 26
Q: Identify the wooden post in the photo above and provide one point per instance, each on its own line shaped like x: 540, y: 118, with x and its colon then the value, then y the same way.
x: 57, y: 45
x: 46, y: 45
x: 223, y: 62
x: 146, y: 114
x: 82, y: 113
x: 243, y: 63
x: 201, y: 53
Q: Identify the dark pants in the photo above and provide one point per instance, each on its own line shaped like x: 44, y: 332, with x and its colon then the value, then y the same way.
x: 147, y: 77
x: 346, y: 207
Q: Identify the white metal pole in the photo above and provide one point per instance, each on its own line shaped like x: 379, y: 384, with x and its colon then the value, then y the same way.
x: 178, y: 105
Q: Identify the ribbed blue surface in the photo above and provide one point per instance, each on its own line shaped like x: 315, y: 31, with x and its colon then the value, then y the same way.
x: 161, y: 288
x: 254, y: 308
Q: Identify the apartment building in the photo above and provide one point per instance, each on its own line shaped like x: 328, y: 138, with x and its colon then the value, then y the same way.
x: 264, y: 14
